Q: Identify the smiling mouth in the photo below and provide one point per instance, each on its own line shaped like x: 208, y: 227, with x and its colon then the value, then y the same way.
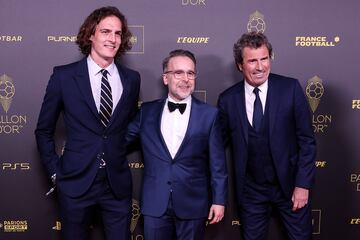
x: 109, y: 46
x: 184, y: 87
x: 259, y: 74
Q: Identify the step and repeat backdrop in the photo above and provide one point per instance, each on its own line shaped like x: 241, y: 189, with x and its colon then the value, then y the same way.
x: 316, y: 42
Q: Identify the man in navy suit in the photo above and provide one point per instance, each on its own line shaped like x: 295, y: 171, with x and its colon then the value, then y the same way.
x: 185, y: 171
x: 97, y: 98
x: 267, y: 119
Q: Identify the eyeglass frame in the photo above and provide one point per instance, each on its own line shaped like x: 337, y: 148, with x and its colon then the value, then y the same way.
x: 182, y: 74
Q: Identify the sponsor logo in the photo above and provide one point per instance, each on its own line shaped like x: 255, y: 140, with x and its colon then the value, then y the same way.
x: 355, y: 104
x: 15, y: 226
x: 193, y: 2
x: 355, y: 178
x: 57, y: 226
x: 235, y: 222
x: 61, y: 38
x: 320, y: 164
x: 199, y: 40
x: 316, y: 41
x: 15, y: 166
x: 10, y: 38
x: 136, y: 165
x: 355, y: 221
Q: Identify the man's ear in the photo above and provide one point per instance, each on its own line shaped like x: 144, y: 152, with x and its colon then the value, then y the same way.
x: 165, y: 80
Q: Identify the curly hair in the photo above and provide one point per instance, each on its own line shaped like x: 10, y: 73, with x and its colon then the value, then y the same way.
x: 89, y: 26
x: 252, y: 40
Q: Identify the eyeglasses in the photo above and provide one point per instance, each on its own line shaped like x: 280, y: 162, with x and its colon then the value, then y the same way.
x: 180, y: 74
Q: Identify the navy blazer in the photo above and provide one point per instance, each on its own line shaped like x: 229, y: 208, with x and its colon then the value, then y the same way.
x: 197, y: 174
x: 292, y: 141
x: 87, y: 140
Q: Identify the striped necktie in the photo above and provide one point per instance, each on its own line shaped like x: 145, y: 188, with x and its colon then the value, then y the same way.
x: 106, y: 103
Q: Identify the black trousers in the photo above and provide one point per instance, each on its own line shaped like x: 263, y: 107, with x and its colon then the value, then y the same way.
x: 255, y: 212
x: 170, y: 227
x: 77, y: 213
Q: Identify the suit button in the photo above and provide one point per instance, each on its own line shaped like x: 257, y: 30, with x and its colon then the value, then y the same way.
x: 104, y: 136
x: 169, y: 183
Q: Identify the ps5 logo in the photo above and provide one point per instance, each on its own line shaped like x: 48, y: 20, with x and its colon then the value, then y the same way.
x: 15, y: 166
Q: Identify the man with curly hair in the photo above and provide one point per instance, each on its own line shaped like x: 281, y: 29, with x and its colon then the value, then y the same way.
x: 97, y: 97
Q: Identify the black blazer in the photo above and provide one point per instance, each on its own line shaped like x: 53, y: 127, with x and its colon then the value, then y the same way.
x: 87, y: 141
x: 292, y: 141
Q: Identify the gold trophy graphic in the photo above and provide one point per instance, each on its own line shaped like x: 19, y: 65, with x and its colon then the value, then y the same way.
x: 314, y: 92
x: 7, y: 91
x: 256, y: 23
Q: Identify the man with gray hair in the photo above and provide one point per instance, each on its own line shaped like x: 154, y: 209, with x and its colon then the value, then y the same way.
x: 266, y: 118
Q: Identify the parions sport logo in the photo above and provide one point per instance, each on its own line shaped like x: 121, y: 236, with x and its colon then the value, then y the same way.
x: 14, y: 226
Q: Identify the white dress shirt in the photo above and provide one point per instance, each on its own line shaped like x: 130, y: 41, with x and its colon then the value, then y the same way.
x: 95, y: 82
x: 250, y: 98
x: 174, y: 125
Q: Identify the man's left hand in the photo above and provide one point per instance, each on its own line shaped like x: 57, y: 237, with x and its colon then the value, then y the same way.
x: 299, y: 198
x: 216, y: 213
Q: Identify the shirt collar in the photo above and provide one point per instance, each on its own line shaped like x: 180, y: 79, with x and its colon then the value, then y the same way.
x: 249, y: 89
x: 94, y: 69
x: 186, y: 100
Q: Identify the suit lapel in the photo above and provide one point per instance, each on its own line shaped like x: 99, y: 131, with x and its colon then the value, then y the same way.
x: 194, y: 112
x: 241, y: 106
x: 83, y: 81
x: 158, y: 114
x: 126, y: 84
x: 273, y: 102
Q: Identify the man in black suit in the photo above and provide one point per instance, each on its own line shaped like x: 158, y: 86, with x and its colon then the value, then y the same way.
x: 97, y: 97
x: 267, y: 118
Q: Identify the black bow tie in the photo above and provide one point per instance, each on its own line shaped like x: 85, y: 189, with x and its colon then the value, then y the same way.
x: 173, y: 106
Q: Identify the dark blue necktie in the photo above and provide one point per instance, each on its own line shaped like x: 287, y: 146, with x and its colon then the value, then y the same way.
x: 258, y: 111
